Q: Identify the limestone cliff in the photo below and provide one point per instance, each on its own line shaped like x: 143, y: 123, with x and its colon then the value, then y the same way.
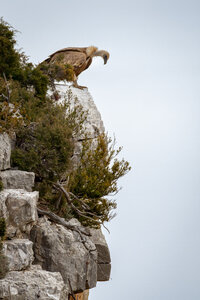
x: 47, y: 260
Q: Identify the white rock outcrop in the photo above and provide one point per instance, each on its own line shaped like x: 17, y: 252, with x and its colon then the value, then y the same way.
x: 33, y: 284
x: 19, y: 208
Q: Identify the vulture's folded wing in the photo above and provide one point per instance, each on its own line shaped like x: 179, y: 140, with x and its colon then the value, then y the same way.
x: 76, y: 59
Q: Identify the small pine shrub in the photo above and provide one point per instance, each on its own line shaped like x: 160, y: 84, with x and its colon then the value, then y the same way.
x: 57, y: 71
x: 20, y: 82
x: 96, y: 178
x: 9, y: 57
x: 14, y: 64
x: 30, y: 76
x: 45, y: 147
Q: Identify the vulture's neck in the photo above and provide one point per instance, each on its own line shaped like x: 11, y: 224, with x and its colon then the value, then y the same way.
x: 91, y: 50
x: 98, y: 53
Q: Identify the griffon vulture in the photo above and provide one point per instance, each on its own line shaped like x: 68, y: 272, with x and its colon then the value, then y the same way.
x: 79, y: 58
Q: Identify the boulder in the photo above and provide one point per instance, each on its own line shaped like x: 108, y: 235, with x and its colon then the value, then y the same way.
x: 15, y: 179
x: 5, y: 151
x: 33, y: 284
x: 57, y: 248
x: 19, y: 254
x: 19, y: 208
x: 103, y: 255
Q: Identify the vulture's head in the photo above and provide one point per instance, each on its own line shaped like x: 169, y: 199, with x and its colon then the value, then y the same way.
x: 104, y: 54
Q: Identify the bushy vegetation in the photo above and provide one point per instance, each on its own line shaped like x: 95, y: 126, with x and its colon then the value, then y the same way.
x: 3, y: 260
x: 14, y: 64
x: 48, y: 143
x: 96, y: 177
x: 45, y: 138
x: 9, y: 57
x: 57, y: 71
x: 46, y: 147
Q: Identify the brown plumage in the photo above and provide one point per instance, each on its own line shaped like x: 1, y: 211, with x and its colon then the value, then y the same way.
x: 79, y: 58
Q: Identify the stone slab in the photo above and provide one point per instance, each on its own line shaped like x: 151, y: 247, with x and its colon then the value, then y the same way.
x: 19, y: 208
x: 16, y: 179
x: 19, y: 254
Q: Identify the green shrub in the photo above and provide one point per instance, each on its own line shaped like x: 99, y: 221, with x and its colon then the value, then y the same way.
x: 22, y: 85
x: 31, y: 76
x: 57, y: 71
x: 46, y: 144
x: 45, y: 147
x: 14, y: 65
x: 9, y: 57
x: 96, y: 177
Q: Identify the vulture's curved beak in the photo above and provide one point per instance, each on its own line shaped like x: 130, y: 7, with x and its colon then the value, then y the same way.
x: 105, y: 58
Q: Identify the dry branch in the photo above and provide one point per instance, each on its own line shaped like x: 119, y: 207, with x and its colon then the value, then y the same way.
x: 59, y: 187
x: 58, y: 220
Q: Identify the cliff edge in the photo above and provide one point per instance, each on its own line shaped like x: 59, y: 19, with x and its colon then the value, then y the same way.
x: 48, y: 259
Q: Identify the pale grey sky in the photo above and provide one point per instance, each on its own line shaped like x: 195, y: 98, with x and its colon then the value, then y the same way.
x: 149, y: 96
